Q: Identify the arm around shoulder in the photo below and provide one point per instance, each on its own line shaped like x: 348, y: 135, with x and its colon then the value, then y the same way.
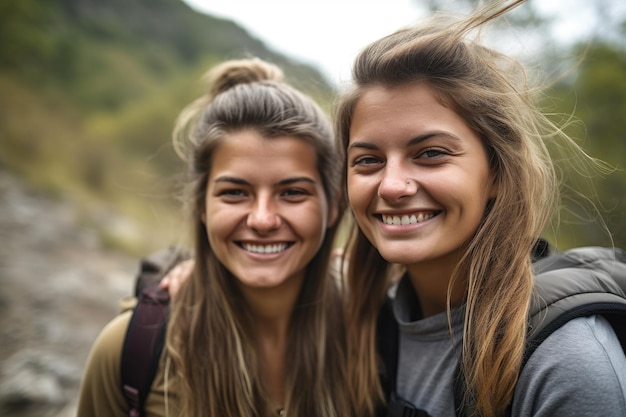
x: 100, y: 392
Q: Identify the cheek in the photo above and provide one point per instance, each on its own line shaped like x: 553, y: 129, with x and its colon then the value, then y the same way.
x: 215, y: 234
x: 309, y: 225
x: 484, y: 189
x: 464, y: 202
x: 470, y: 196
x: 219, y: 223
x: 315, y: 228
x: 358, y: 195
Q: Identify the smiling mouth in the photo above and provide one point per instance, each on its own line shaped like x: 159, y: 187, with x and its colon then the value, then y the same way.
x: 405, y: 219
x: 265, y: 249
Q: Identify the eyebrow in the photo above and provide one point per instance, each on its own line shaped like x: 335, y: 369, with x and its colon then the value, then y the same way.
x: 293, y: 180
x: 234, y: 180
x: 286, y: 181
x: 412, y: 142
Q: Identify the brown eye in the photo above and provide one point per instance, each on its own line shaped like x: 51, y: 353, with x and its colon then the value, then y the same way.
x: 232, y: 194
x: 366, y: 160
x: 294, y: 192
x: 432, y: 153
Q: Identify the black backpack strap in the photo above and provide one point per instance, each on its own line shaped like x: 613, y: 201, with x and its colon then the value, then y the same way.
x: 388, y: 334
x: 387, y: 339
x: 460, y: 404
x: 397, y: 407
x: 142, y: 348
x: 580, y: 282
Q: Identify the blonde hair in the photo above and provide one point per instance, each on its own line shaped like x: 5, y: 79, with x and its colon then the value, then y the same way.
x: 491, y: 92
x: 211, y: 339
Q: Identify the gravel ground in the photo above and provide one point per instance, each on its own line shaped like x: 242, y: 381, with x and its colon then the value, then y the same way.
x: 57, y: 290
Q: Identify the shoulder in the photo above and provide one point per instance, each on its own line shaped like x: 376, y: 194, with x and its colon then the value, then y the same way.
x: 100, y: 392
x: 585, y: 343
x: 108, y: 344
x: 580, y: 369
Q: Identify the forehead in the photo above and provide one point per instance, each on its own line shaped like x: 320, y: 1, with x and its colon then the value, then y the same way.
x: 388, y: 101
x: 403, y: 110
x: 249, y: 153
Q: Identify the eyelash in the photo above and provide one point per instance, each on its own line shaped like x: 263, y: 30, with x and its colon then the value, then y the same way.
x: 438, y: 153
x: 428, y: 153
x: 362, y: 160
x: 294, y: 192
x: 232, y: 192
x: 238, y: 193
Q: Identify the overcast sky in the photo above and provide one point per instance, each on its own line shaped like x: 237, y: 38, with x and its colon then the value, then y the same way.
x: 325, y: 33
x: 329, y: 33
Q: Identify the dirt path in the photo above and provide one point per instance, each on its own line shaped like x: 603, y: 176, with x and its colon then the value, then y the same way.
x: 57, y: 289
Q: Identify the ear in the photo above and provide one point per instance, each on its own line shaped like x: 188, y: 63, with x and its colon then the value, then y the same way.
x: 203, y: 217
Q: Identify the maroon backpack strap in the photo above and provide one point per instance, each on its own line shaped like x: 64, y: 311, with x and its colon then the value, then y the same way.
x: 145, y: 335
x: 142, y: 348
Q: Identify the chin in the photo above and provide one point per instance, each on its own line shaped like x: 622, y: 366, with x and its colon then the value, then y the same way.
x: 263, y: 283
x: 396, y: 258
x: 404, y: 254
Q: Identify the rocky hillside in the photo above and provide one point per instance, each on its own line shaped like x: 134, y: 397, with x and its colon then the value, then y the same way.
x: 58, y: 288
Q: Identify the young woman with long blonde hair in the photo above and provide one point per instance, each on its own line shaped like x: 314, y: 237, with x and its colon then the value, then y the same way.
x: 448, y: 174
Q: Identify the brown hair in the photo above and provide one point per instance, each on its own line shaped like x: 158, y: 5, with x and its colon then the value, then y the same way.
x: 210, y: 336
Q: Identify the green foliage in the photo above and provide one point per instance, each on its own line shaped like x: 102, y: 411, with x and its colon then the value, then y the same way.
x: 25, y: 34
x: 597, y: 98
x: 90, y: 92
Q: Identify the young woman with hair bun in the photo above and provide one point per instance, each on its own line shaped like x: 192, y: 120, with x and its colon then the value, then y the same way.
x: 257, y: 329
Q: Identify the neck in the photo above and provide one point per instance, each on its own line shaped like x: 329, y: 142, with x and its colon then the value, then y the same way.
x: 273, y: 352
x: 271, y: 307
x: 271, y: 310
x: 430, y: 281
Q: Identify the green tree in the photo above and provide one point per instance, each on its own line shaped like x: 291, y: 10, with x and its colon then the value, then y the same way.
x: 596, y: 96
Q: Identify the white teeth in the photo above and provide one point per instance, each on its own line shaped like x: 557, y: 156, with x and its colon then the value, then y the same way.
x: 265, y: 248
x: 406, y: 219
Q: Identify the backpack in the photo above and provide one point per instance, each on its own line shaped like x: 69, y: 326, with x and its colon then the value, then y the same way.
x: 579, y: 282
x: 143, y: 342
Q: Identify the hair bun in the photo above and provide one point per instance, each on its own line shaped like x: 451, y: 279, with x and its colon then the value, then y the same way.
x: 243, y: 71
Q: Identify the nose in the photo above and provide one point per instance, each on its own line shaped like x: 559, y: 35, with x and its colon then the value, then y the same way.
x: 263, y: 216
x: 396, y: 184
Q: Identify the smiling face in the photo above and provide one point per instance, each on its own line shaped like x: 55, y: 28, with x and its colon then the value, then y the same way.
x: 266, y: 213
x: 418, y: 176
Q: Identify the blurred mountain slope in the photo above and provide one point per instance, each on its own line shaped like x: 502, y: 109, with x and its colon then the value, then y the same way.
x: 90, y: 90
